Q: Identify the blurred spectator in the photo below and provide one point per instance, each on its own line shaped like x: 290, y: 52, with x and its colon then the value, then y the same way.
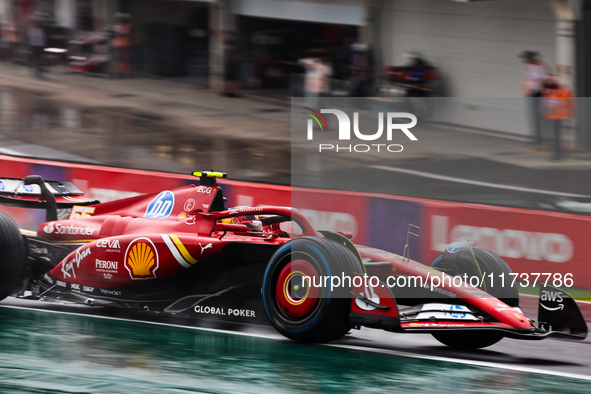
x: 4, y: 43
x: 36, y: 40
x: 122, y: 48
x: 557, y: 105
x: 343, y: 61
x: 318, y: 71
x: 420, y: 76
x: 417, y: 78
x: 10, y: 35
x: 531, y: 86
x: 231, y: 66
x: 361, y: 70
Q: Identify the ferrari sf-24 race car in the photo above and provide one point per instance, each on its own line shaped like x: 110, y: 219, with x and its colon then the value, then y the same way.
x: 180, y: 253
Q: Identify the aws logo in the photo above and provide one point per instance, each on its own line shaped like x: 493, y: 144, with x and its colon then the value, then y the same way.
x: 554, y: 297
x: 141, y: 259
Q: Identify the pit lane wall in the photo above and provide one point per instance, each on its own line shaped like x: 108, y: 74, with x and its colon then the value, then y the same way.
x: 530, y: 241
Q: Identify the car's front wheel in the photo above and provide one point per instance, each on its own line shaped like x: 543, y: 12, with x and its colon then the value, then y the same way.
x: 460, y: 259
x: 496, y: 277
x: 299, y: 300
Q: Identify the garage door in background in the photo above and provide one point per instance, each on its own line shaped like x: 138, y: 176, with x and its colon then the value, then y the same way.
x: 475, y: 46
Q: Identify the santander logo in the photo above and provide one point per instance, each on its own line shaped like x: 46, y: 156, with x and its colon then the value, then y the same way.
x: 62, y: 229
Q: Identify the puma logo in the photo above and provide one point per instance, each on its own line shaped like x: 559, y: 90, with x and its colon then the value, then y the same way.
x: 205, y: 247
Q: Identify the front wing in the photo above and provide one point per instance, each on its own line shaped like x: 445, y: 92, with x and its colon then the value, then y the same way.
x: 558, y: 315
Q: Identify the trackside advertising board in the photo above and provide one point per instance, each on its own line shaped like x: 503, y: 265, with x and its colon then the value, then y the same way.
x: 530, y: 241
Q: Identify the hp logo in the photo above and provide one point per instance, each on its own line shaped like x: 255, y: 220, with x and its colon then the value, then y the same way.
x: 457, y: 315
x: 161, y: 206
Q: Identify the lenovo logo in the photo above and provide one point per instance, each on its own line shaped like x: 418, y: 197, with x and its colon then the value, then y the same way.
x: 508, y: 243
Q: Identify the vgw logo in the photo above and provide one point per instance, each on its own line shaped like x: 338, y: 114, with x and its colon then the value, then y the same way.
x: 345, y: 130
x: 161, y: 206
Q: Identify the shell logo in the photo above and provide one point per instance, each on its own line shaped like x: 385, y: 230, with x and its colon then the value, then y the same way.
x: 141, y: 259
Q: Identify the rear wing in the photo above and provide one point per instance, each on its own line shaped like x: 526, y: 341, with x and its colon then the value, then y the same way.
x: 34, y: 192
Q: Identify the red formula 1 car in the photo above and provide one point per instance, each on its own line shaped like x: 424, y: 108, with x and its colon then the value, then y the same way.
x: 181, y: 254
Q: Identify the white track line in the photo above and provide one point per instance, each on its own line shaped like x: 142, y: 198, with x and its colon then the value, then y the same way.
x: 476, y: 183
x: 466, y: 362
x: 349, y: 347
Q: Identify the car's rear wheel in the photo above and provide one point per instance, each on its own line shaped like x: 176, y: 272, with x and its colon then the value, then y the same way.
x: 12, y: 256
x: 297, y: 293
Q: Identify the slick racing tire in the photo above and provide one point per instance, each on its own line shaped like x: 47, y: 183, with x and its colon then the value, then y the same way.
x: 306, y: 310
x: 12, y: 256
x: 467, y: 340
x: 502, y: 287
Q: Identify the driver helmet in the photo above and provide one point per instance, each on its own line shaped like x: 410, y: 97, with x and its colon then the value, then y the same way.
x: 253, y: 222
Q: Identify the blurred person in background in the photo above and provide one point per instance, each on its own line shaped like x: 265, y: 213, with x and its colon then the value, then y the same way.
x: 557, y: 106
x: 4, y: 43
x: 122, y: 48
x: 420, y: 75
x: 231, y: 66
x: 416, y: 80
x: 36, y: 39
x: 318, y: 71
x: 361, y: 70
x: 10, y: 40
x: 531, y: 86
x: 343, y: 60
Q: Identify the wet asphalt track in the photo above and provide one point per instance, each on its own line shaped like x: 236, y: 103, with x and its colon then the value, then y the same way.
x: 118, y: 355
x: 462, y: 179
